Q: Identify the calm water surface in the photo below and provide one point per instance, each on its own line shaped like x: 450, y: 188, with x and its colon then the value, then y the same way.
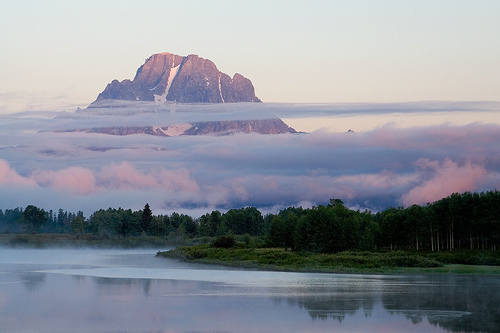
x: 132, y: 291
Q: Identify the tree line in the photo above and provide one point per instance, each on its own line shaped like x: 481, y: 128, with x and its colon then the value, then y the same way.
x: 460, y: 221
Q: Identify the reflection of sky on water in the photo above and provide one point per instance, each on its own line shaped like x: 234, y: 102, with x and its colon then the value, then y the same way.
x: 103, y: 291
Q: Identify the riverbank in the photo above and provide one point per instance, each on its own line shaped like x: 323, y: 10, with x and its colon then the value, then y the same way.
x: 278, y: 259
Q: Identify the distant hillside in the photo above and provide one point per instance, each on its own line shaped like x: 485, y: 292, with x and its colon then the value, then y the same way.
x: 227, y: 127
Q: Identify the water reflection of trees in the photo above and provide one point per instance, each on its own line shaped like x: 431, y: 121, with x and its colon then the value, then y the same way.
x: 334, y: 306
x: 471, y: 303
x: 32, y: 281
x: 120, y: 285
x: 454, y: 303
x: 108, y: 285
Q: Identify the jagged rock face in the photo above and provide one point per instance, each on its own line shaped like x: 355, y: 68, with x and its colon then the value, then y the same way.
x: 239, y: 88
x: 152, y: 78
x: 169, y: 77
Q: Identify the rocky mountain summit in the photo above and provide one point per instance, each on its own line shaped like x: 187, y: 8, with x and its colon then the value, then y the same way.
x: 191, y: 79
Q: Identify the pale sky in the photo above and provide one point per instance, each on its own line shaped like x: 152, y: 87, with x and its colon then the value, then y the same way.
x: 58, y: 52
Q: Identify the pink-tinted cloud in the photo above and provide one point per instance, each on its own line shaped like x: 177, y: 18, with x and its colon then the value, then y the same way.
x: 448, y: 177
x: 9, y: 176
x: 84, y: 181
x: 127, y: 176
x: 73, y: 179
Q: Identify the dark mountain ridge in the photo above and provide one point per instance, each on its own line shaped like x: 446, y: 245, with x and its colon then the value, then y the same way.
x: 218, y: 128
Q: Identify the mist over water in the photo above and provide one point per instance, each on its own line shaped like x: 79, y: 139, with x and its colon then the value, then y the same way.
x: 97, y: 290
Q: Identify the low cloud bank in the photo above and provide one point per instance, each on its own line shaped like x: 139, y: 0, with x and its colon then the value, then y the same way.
x: 384, y: 167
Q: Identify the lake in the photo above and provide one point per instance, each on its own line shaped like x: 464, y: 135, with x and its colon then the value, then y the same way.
x: 96, y: 290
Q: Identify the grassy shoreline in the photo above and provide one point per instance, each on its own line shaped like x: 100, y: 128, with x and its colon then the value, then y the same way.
x: 353, y: 262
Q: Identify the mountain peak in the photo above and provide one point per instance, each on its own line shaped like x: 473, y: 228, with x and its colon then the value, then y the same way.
x: 185, y: 79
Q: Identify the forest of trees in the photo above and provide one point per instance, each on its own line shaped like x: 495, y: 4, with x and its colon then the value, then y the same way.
x: 460, y: 221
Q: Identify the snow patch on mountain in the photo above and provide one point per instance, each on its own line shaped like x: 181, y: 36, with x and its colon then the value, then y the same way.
x: 220, y: 89
x: 171, y: 76
x: 177, y: 129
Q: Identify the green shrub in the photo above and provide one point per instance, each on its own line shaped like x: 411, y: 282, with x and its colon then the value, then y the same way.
x: 196, y: 254
x: 225, y: 242
x: 474, y: 257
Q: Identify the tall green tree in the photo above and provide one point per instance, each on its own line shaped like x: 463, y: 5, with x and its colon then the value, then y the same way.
x: 33, y: 218
x: 78, y: 224
x: 146, y: 218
